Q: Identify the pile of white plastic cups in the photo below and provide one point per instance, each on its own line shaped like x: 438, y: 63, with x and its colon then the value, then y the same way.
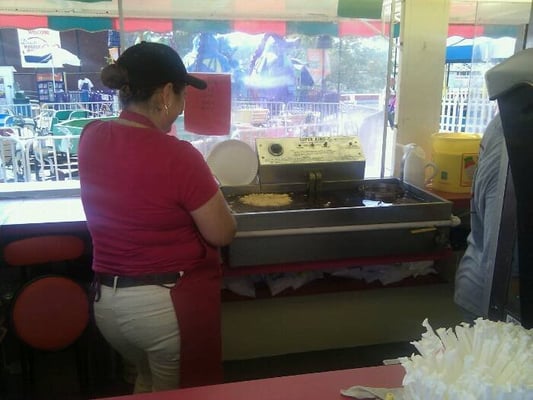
x: 488, y: 360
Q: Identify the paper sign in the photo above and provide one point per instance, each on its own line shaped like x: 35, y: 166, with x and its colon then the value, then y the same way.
x: 35, y: 47
x: 208, y: 111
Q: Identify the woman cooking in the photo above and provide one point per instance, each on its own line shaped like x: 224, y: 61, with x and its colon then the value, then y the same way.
x: 156, y: 217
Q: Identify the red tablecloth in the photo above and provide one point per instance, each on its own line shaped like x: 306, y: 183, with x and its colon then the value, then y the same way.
x: 317, y: 386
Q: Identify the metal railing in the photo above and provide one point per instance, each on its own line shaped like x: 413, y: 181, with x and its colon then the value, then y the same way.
x: 93, y: 108
x: 38, y: 158
x: 37, y: 151
x: 462, y: 110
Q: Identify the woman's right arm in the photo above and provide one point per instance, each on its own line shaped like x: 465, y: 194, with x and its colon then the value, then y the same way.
x: 215, y: 221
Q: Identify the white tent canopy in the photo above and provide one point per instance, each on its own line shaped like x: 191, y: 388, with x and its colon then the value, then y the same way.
x: 514, y: 12
x: 302, y: 10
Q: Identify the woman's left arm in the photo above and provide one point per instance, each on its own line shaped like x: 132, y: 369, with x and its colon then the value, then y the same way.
x: 215, y: 221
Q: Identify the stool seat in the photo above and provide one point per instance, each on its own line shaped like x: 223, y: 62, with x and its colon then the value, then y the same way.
x: 50, y: 313
x: 43, y: 249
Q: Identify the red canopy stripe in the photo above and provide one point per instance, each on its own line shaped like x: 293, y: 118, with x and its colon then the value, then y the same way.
x: 466, y: 31
x: 23, y: 21
x: 354, y: 27
x: 255, y: 27
x: 144, y: 24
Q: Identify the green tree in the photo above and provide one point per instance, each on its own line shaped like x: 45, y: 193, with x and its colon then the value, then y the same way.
x: 359, y: 64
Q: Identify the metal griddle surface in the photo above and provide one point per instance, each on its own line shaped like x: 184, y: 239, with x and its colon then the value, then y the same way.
x: 377, y: 194
x: 326, y: 200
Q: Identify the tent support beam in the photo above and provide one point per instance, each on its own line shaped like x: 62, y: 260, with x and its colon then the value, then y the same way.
x: 121, y: 26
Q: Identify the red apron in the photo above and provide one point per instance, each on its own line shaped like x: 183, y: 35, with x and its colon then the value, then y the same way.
x: 196, y: 299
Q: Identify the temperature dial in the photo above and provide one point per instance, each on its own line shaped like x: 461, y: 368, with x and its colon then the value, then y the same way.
x: 275, y: 149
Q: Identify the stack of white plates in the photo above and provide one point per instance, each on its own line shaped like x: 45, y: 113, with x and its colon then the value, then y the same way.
x: 234, y: 163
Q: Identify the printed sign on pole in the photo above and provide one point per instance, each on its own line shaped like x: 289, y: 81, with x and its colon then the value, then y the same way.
x: 35, y: 47
x: 41, y: 48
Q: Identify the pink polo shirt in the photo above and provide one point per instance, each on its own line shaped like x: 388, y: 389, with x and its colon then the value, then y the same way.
x: 138, y: 187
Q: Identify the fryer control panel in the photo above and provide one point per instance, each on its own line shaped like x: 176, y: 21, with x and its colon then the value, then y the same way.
x: 308, y: 150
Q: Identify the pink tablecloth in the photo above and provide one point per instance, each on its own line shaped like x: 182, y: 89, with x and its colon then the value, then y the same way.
x: 317, y: 386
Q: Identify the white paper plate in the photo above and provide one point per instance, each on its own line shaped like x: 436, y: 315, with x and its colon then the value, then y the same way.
x: 233, y: 162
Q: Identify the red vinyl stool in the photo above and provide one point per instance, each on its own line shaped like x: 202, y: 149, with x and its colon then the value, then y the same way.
x: 43, y: 250
x: 49, y: 312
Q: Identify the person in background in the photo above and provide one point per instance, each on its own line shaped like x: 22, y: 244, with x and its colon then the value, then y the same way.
x: 391, y: 109
x: 156, y: 217
x: 486, y: 205
x: 85, y: 85
x: 391, y: 105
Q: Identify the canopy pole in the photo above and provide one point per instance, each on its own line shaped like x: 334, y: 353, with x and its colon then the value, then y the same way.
x: 529, y: 36
x: 121, y: 27
x: 388, y: 91
x: 53, y: 79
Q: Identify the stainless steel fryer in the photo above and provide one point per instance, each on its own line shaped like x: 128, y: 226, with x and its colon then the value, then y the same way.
x: 335, y: 213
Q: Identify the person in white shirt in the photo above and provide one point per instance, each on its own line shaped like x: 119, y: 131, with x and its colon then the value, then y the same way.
x: 85, y: 84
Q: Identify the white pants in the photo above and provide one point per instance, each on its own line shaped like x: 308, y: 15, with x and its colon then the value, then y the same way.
x: 140, y: 323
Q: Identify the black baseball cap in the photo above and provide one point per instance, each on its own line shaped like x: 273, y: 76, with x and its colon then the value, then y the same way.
x: 151, y: 64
